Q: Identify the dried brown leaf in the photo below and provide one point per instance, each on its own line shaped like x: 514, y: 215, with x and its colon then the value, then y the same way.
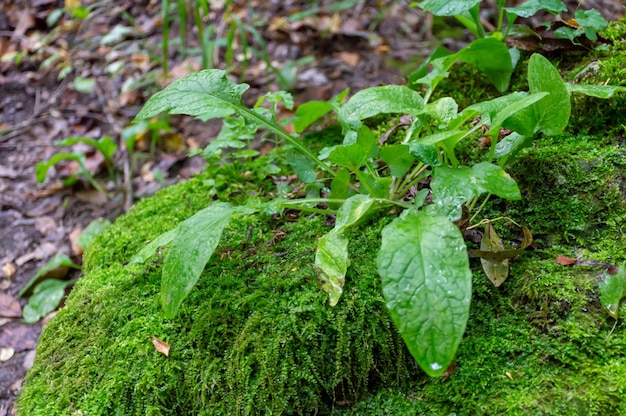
x: 9, y: 306
x: 161, y: 346
x: 566, y: 261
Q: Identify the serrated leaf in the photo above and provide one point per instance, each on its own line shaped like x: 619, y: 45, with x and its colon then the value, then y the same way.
x: 427, y: 285
x: 397, y: 158
x: 206, y: 94
x: 612, y: 291
x: 531, y: 7
x: 553, y: 112
x: 496, y: 271
x: 447, y: 7
x: 191, y: 249
x: 331, y: 261
x: 598, y: 91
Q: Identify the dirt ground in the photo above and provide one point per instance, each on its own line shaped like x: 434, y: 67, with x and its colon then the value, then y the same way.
x: 43, y: 99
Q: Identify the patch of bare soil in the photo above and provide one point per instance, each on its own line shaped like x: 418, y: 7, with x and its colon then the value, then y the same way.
x: 44, y: 98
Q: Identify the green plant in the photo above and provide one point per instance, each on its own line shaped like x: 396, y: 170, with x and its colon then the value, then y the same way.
x: 488, y: 52
x: 423, y: 261
x: 106, y: 146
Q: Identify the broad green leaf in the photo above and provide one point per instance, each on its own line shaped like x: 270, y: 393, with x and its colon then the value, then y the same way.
x: 340, y: 186
x: 380, y: 187
x: 492, y: 178
x: 489, y: 109
x: 613, y: 290
x: 368, y: 141
x: 438, y: 72
x: 515, y: 117
x: 447, y: 7
x: 569, y: 33
x: 427, y: 284
x: 452, y: 187
x: 387, y: 99
x: 58, y: 261
x: 308, y: 113
x: 302, y: 166
x: 428, y: 154
x: 531, y: 7
x: 46, y: 297
x: 510, y: 146
x: 496, y: 271
x: 191, y: 249
x: 351, y: 156
x: 492, y: 58
x: 206, y: 94
x: 148, y: 251
x: 94, y: 228
x: 331, y: 261
x: 444, y: 110
x: 355, y: 209
x: 397, y: 158
x: 554, y: 111
x: 599, y: 91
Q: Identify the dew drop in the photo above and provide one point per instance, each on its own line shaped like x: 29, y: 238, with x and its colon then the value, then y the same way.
x: 435, y: 366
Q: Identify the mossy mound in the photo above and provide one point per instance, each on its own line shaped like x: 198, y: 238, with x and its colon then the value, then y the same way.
x: 256, y: 335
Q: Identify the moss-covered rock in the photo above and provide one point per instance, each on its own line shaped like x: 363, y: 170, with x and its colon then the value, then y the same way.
x: 256, y: 335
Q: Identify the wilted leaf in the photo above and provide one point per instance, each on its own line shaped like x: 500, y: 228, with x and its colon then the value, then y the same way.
x: 565, y: 261
x: 496, y: 271
x: 160, y: 346
x: 331, y: 261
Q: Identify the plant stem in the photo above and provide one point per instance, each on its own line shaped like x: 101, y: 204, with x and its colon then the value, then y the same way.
x: 285, y: 136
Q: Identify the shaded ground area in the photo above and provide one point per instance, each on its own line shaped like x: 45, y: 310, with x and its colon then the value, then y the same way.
x: 89, y: 78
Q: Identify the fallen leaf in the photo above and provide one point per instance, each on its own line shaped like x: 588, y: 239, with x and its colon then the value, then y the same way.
x: 161, y: 346
x: 350, y: 58
x: 9, y: 306
x: 6, y: 353
x: 566, y: 261
x: 8, y: 270
x: 74, y: 236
